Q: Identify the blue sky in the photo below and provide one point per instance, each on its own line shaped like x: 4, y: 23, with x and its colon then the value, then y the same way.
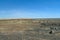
x: 29, y: 8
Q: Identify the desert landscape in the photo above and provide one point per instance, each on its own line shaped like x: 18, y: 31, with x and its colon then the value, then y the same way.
x: 30, y: 29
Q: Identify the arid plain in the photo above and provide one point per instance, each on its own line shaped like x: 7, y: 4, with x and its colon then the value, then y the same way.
x: 30, y: 29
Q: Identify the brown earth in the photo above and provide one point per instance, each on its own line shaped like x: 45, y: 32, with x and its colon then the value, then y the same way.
x: 30, y: 29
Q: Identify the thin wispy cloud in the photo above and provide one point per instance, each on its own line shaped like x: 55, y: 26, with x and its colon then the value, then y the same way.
x: 11, y: 13
x: 24, y: 14
x: 17, y: 14
x: 29, y: 9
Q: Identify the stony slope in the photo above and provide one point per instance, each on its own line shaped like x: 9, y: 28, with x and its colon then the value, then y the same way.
x: 30, y: 29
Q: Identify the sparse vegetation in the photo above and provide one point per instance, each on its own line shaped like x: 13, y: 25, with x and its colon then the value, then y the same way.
x: 29, y: 29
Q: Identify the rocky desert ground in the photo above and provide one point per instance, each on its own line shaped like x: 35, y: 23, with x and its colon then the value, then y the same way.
x: 30, y: 29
